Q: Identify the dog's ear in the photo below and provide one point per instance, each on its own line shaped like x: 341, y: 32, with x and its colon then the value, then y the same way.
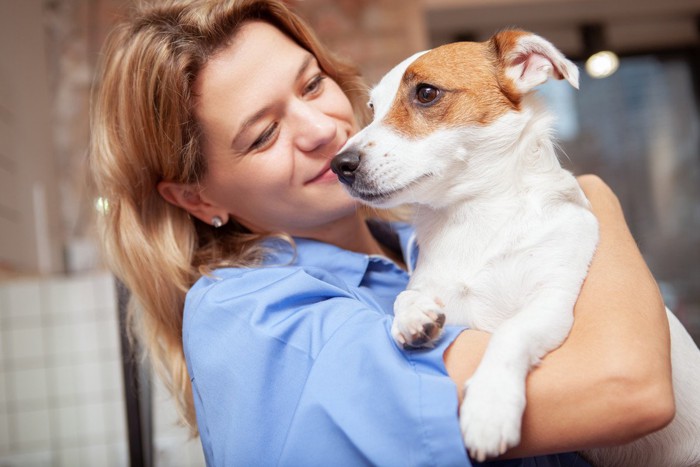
x: 529, y: 60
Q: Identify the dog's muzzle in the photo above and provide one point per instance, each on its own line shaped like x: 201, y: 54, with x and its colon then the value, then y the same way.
x: 344, y: 166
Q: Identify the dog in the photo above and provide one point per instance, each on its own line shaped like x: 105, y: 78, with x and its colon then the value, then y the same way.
x: 506, y: 234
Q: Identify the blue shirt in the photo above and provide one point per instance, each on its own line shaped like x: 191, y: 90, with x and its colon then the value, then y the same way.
x: 293, y: 364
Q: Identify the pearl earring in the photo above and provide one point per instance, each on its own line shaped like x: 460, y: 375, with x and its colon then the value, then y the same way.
x: 217, y: 222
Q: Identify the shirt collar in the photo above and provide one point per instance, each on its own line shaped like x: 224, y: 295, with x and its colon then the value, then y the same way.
x: 349, y: 265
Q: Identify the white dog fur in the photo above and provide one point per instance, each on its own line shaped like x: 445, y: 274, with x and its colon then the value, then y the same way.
x: 506, y: 235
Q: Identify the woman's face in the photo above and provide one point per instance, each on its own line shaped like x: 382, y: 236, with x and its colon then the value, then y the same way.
x: 272, y: 121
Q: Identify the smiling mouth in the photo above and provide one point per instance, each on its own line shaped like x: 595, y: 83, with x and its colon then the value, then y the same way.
x: 326, y: 168
x: 319, y: 175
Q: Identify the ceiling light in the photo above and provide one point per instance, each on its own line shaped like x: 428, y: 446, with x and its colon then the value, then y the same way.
x: 602, y: 64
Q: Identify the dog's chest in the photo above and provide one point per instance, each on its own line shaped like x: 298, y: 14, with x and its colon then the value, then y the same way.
x: 478, y: 237
x: 484, y: 267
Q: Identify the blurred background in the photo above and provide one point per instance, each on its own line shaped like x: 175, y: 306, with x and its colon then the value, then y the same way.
x: 63, y: 396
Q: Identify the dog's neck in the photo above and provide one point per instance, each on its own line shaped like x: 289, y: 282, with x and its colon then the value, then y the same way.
x: 508, y: 165
x: 514, y: 155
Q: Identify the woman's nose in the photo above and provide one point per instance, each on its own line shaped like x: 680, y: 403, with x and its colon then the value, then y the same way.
x: 314, y: 127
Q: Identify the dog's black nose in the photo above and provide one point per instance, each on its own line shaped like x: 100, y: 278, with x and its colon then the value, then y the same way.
x: 344, y: 166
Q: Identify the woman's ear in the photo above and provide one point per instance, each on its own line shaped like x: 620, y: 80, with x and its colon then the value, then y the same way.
x: 188, y: 197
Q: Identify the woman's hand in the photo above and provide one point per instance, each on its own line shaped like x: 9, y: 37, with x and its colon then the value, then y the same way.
x: 610, y: 382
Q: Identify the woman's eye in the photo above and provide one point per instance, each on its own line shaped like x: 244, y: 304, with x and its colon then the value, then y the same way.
x: 264, y: 138
x: 427, y: 94
x: 315, y: 84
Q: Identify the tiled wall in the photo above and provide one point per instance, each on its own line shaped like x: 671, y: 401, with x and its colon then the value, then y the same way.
x: 61, y: 390
x: 61, y: 393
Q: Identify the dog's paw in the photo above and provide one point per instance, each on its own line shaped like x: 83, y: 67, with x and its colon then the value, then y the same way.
x: 418, y: 319
x: 491, y: 414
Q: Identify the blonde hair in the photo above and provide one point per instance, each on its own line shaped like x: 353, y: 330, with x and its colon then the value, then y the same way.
x: 143, y: 131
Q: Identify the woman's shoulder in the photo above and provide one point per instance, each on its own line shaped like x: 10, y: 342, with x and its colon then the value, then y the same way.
x: 293, y: 305
x: 227, y: 285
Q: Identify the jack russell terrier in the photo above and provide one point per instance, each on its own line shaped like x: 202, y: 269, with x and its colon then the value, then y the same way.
x: 506, y: 234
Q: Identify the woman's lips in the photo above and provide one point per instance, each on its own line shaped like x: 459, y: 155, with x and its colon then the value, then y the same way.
x: 324, y: 175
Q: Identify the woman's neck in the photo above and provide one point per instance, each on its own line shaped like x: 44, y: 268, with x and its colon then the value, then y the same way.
x: 353, y: 234
x: 350, y: 233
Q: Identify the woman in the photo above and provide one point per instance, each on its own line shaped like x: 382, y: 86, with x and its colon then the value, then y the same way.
x: 261, y: 285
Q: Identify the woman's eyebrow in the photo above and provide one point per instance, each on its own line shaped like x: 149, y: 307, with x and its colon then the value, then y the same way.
x: 253, y: 119
x: 304, y: 66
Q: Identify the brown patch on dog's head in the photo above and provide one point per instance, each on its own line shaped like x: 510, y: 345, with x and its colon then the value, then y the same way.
x: 474, y: 83
x: 470, y: 90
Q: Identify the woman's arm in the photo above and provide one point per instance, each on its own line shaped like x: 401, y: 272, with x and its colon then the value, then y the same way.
x: 610, y: 382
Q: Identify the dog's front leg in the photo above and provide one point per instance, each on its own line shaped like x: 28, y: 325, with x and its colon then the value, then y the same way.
x: 494, y: 401
x: 418, y: 319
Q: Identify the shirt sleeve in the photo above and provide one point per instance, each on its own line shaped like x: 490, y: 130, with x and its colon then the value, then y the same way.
x: 291, y: 367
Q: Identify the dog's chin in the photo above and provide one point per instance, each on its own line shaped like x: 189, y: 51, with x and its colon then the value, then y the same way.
x: 389, y: 198
x: 374, y: 199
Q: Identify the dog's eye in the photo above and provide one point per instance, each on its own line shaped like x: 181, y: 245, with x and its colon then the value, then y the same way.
x: 371, y: 106
x: 426, y: 94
